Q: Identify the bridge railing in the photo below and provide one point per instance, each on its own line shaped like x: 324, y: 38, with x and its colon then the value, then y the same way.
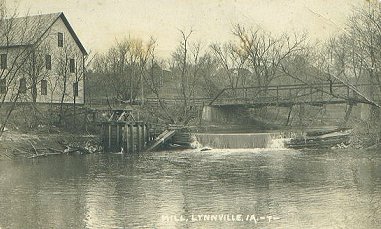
x: 290, y: 94
x: 197, y: 102
x: 271, y: 95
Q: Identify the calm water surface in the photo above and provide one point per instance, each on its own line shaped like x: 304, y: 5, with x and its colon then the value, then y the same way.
x: 276, y: 188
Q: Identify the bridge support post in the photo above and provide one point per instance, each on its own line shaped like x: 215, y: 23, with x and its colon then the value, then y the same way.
x: 210, y: 113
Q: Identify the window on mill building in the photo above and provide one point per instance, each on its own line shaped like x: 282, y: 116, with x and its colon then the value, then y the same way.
x: 75, y: 89
x: 44, y: 87
x: 3, y: 86
x: 3, y: 61
x: 22, y: 88
x: 72, y: 66
x: 48, y: 62
x: 60, y: 39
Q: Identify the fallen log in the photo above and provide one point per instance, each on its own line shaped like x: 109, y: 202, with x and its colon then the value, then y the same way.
x: 320, y: 141
x: 75, y: 148
x: 68, y: 150
x: 44, y: 155
x: 320, y: 132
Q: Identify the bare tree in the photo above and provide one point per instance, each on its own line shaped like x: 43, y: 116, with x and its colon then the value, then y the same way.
x: 191, y: 70
x: 123, y: 65
x: 186, y: 65
x: 365, y: 32
x: 266, y: 53
x: 19, y: 40
x: 153, y: 77
x: 354, y: 57
x: 232, y: 60
x: 70, y: 67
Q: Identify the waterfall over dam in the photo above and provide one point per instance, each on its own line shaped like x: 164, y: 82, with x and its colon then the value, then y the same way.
x: 240, y: 140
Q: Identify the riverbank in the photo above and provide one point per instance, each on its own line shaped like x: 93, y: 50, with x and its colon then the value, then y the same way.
x: 35, y: 130
x: 17, y: 145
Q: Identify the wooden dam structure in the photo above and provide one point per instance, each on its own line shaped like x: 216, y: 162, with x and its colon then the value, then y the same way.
x: 122, y: 133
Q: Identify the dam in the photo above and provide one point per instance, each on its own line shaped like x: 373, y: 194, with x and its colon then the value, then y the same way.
x: 240, y: 140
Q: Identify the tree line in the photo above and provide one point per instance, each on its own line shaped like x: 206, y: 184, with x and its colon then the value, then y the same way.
x: 254, y: 58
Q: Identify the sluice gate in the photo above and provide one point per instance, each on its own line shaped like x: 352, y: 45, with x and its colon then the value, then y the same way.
x: 127, y: 137
x: 122, y: 133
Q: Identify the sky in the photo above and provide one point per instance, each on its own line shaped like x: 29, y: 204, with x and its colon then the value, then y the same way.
x: 100, y: 23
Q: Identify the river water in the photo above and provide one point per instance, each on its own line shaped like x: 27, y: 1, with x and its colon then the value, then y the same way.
x: 261, y: 188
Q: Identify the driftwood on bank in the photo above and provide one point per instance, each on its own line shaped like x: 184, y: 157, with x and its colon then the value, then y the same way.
x: 68, y: 149
x: 321, y: 139
x: 320, y: 132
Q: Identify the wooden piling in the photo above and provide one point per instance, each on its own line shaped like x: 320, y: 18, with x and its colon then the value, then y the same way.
x: 149, y: 133
x: 126, y: 136
x: 138, y: 137
x: 109, y: 136
x: 144, y: 135
x: 103, y: 133
x: 130, y: 136
x: 117, y: 145
x: 132, y: 145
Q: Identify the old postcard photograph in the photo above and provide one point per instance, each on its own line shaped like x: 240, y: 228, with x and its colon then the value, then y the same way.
x: 190, y: 114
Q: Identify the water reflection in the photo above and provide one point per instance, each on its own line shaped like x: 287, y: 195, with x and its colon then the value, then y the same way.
x: 299, y: 189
